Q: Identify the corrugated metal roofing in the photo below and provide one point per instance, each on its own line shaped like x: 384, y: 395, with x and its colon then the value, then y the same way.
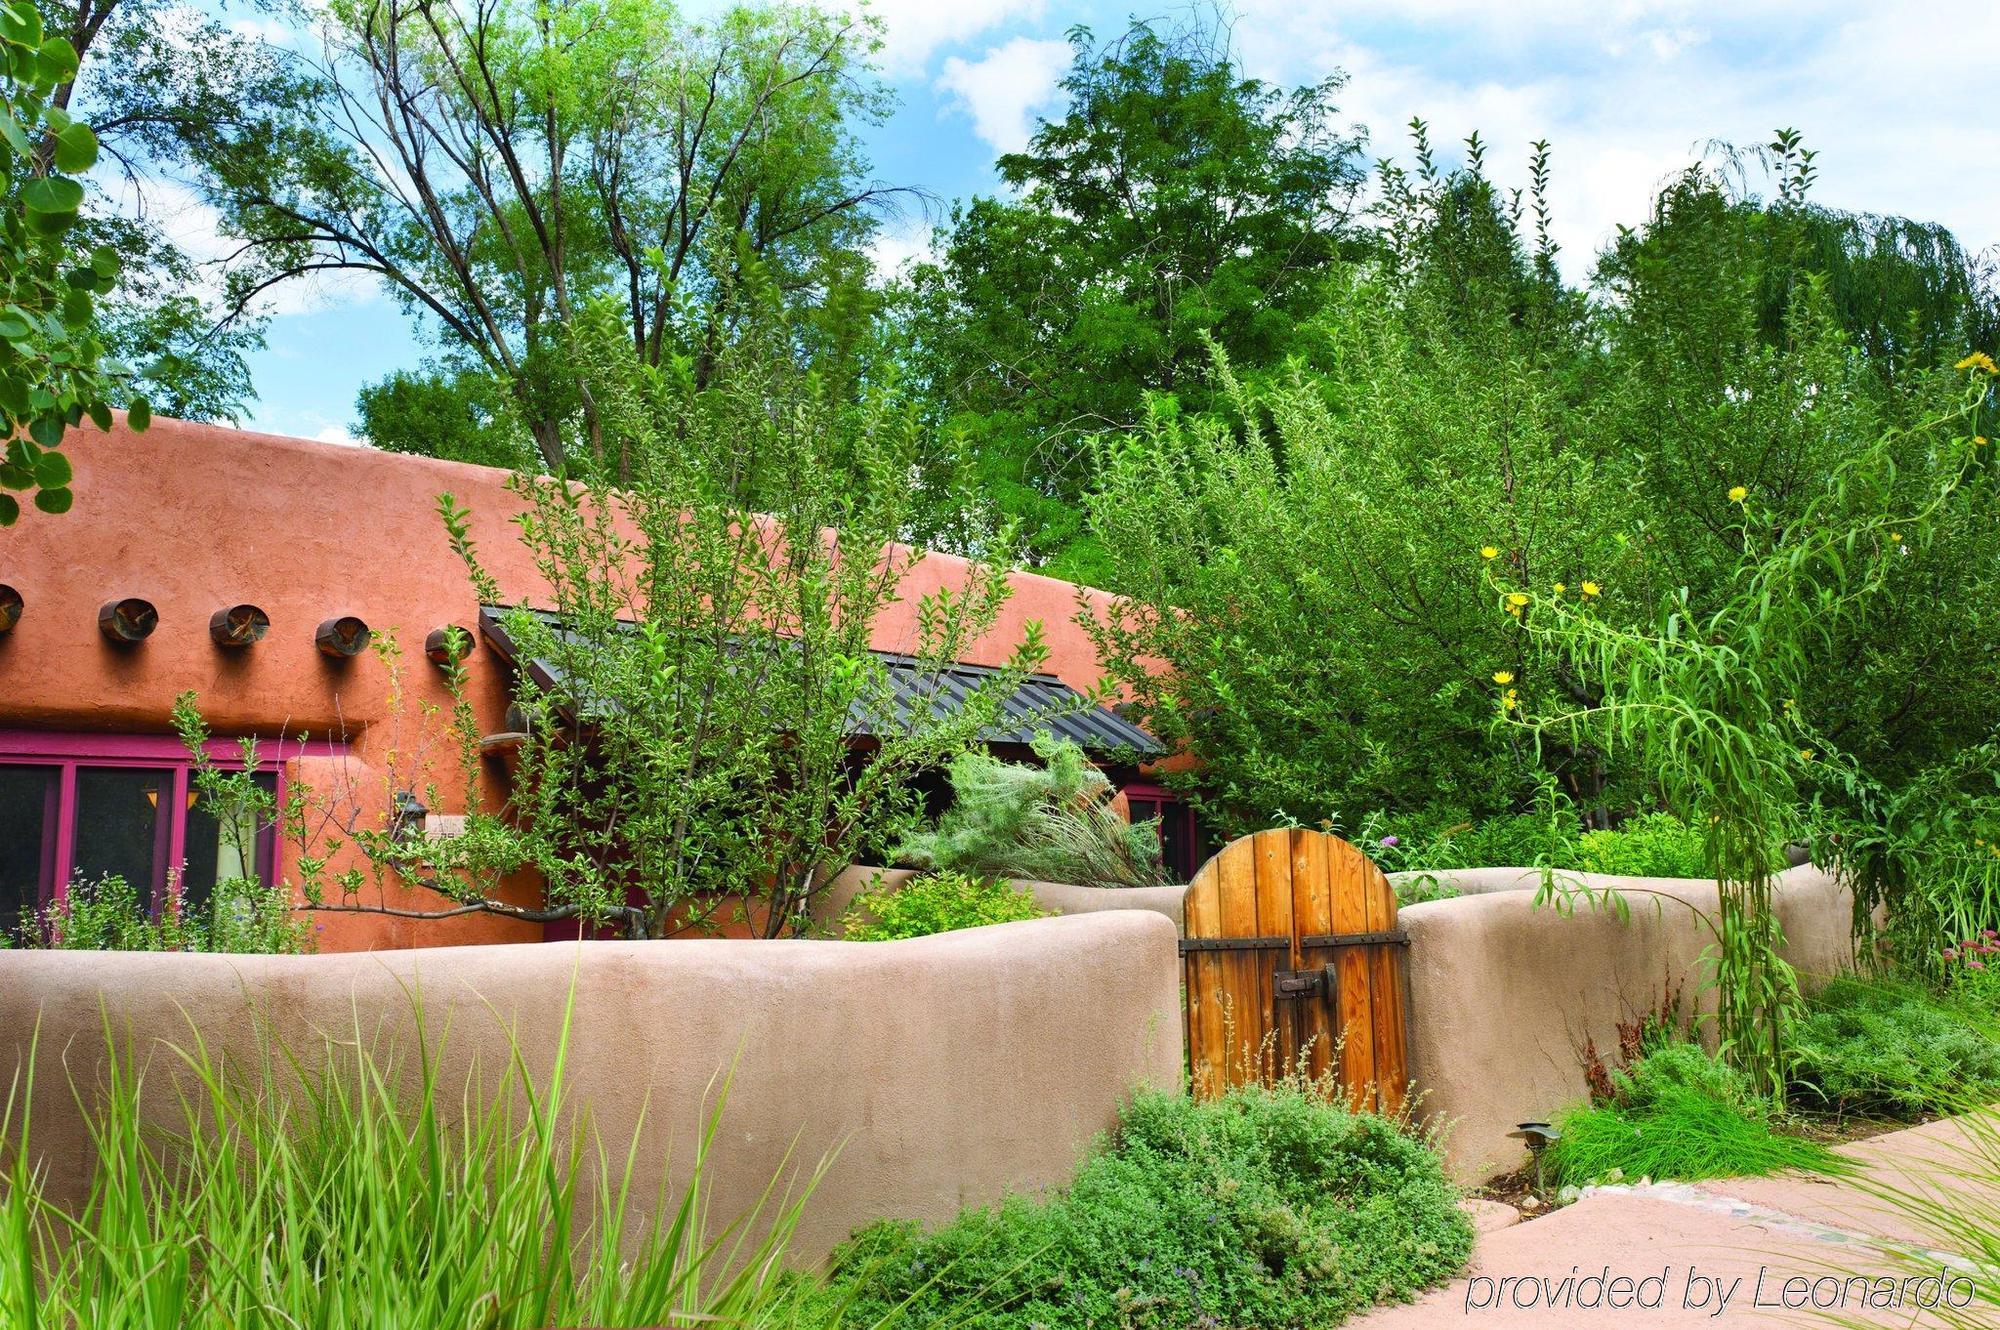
x: 1042, y: 702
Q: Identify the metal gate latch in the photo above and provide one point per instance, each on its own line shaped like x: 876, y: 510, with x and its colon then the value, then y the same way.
x: 1296, y: 983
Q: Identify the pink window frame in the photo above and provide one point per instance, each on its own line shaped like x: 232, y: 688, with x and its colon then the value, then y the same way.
x: 1171, y: 804
x: 66, y: 751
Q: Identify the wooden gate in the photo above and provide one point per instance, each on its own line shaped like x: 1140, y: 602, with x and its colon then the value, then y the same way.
x: 1293, y: 961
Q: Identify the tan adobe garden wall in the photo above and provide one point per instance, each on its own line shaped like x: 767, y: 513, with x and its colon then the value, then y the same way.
x: 944, y: 1070
x: 1503, y: 995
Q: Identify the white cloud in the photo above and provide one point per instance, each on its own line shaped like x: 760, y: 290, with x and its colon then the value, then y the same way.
x: 915, y: 30
x: 339, y: 434
x: 1627, y: 93
x: 895, y: 247
x: 1004, y: 89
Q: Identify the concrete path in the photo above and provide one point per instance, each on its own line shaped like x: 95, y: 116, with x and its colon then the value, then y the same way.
x: 1748, y: 1251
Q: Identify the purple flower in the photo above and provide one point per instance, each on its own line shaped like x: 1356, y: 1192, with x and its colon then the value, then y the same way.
x: 1391, y: 842
x: 1975, y: 965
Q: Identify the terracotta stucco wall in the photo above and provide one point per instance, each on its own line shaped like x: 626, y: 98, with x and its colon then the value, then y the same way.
x: 945, y: 1071
x: 196, y: 517
x: 1503, y: 995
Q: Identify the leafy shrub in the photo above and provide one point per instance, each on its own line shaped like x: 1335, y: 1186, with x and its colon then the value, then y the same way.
x: 1678, y: 1113
x: 242, y: 915
x: 1442, y: 839
x: 936, y: 903
x: 1650, y: 845
x: 1266, y: 1207
x: 1890, y: 1049
x: 1052, y: 823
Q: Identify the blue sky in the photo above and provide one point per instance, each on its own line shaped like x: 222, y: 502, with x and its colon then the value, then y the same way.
x: 1892, y: 95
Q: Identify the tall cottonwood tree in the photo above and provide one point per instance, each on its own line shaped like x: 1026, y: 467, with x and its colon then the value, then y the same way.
x: 1177, y: 203
x: 499, y: 164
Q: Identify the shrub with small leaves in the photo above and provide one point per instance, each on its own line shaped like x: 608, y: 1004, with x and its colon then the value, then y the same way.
x: 1893, y: 1050
x: 935, y: 903
x: 1269, y: 1207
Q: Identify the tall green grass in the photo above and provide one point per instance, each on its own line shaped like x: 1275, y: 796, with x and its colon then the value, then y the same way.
x: 358, y: 1189
x: 1679, y: 1114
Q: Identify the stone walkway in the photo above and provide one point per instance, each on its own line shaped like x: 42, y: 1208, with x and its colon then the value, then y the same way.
x: 1747, y: 1251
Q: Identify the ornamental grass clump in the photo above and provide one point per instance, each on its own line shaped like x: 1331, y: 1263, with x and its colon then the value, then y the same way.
x: 356, y: 1189
x: 1680, y: 1114
x: 1269, y: 1207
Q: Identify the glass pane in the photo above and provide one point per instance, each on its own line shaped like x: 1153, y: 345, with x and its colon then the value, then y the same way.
x: 27, y: 839
x: 119, y: 828
x: 219, y: 849
x: 1177, y: 840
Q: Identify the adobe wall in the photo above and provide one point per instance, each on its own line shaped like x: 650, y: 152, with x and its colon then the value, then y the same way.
x: 1503, y: 995
x: 944, y: 1071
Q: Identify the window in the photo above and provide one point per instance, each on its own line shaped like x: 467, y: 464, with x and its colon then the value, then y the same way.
x: 1182, y: 846
x: 87, y: 805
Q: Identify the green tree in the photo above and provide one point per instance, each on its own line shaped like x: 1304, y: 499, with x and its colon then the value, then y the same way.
x: 167, y: 87
x: 499, y: 167
x: 711, y: 723
x: 53, y: 367
x: 1175, y: 204
x: 450, y: 411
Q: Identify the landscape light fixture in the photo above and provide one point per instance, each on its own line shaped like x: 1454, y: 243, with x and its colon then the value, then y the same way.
x: 1539, y: 1136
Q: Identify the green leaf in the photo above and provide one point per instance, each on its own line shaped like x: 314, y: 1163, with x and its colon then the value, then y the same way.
x: 52, y: 471
x: 139, y: 414
x: 54, y: 501
x: 76, y: 149
x: 16, y: 136
x: 100, y: 415
x: 21, y: 24
x: 46, y: 430
x: 10, y: 510
x: 16, y: 477
x: 13, y: 327
x: 52, y: 194
x: 105, y: 262
x: 58, y: 59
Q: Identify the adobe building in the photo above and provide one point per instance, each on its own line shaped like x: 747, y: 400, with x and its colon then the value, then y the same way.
x: 254, y: 569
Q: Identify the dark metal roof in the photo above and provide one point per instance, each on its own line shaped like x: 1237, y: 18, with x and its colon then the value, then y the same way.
x: 1042, y: 702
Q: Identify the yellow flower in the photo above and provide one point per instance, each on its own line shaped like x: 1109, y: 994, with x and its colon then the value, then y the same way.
x: 1896, y: 536
x: 1979, y: 440
x: 1508, y: 701
x: 1517, y: 598
x: 1738, y: 493
x: 1560, y: 588
x: 1591, y: 588
x: 1488, y: 552
x: 1503, y: 676
x: 1978, y: 360
x: 1806, y: 754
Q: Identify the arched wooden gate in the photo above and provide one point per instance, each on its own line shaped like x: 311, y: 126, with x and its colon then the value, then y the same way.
x: 1292, y: 958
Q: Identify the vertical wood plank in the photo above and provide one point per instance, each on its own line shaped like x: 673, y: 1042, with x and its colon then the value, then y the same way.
x: 1312, y: 914
x: 1245, y: 1024
x: 1273, y: 919
x: 1347, y: 877
x: 1202, y: 918
x: 1385, y: 964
